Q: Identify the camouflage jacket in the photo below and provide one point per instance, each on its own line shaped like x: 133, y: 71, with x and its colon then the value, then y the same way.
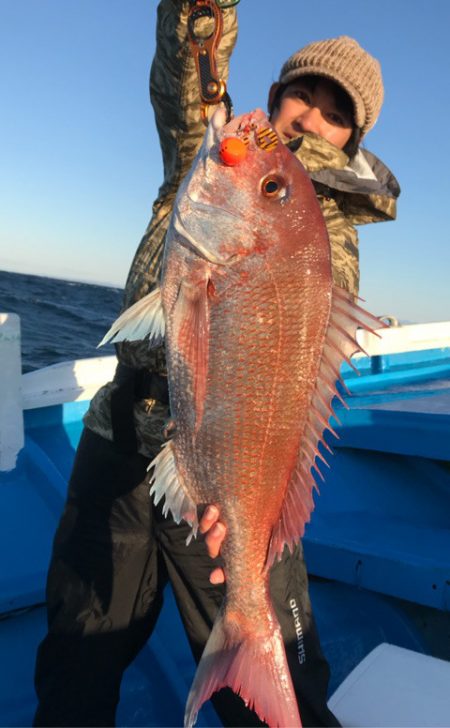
x: 350, y: 193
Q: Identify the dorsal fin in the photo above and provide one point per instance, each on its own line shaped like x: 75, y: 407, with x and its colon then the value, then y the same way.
x: 339, y: 345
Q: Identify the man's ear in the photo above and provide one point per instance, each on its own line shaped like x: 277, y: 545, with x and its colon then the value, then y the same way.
x: 272, y: 93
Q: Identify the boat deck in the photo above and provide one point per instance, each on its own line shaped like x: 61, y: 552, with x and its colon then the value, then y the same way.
x: 380, y: 534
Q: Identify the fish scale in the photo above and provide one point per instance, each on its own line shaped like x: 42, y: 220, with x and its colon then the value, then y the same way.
x: 263, y: 452
x: 255, y: 336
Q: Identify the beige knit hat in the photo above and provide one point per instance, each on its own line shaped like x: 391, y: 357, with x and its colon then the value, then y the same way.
x: 344, y: 61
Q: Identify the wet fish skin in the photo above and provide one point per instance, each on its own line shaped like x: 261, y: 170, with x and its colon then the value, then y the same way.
x: 255, y: 336
x: 257, y: 298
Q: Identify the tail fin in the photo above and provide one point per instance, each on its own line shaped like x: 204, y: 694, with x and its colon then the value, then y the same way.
x: 255, y: 669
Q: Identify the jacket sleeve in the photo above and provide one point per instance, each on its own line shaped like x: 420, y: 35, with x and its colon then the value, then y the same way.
x: 176, y: 103
x: 174, y: 88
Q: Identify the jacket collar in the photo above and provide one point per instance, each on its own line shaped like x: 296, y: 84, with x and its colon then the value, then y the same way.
x: 331, y: 166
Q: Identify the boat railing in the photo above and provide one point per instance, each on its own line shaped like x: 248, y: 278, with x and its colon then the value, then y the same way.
x: 79, y: 380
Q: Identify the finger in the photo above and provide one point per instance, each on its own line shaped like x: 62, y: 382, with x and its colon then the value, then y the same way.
x: 208, y: 519
x: 214, y: 538
x: 217, y: 576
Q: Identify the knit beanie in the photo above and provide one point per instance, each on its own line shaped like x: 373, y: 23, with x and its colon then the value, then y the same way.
x: 344, y: 61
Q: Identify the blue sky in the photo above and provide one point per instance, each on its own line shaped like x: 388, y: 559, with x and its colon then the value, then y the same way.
x: 80, y: 158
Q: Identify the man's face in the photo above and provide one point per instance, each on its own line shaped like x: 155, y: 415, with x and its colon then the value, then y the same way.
x: 303, y: 109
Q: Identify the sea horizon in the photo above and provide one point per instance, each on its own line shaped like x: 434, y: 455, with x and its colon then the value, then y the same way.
x: 67, y: 279
x: 61, y: 319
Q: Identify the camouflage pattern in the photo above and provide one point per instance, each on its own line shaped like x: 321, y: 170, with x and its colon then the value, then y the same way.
x: 174, y: 95
x: 345, y: 198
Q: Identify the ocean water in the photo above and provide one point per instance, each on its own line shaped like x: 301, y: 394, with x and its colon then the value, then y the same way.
x: 60, y: 320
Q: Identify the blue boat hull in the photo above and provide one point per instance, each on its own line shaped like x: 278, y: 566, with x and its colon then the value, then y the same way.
x: 378, y: 547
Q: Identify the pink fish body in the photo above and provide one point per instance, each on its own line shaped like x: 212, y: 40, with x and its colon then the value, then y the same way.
x: 255, y: 335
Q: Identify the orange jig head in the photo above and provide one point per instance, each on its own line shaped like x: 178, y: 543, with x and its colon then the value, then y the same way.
x: 232, y: 151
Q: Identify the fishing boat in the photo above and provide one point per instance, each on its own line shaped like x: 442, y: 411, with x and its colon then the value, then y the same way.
x: 377, y: 548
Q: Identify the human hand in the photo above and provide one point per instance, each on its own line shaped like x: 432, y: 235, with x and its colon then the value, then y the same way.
x: 215, y: 532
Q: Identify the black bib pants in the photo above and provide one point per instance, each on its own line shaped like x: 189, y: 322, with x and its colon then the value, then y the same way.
x: 113, y: 554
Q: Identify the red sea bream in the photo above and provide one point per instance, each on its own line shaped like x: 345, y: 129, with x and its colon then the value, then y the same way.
x: 255, y: 334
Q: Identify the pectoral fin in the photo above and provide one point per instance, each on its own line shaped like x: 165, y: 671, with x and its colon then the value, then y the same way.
x: 144, y: 319
x: 191, y: 330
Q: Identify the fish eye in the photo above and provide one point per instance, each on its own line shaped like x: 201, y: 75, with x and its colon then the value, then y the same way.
x: 273, y: 186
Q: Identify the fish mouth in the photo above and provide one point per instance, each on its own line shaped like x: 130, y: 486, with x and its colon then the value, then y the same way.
x: 212, y: 136
x: 215, y: 126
